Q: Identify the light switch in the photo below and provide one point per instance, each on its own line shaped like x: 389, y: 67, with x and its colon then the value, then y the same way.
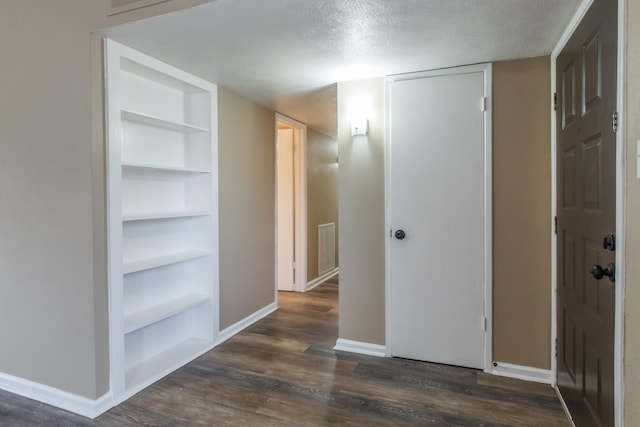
x: 359, y: 126
x: 638, y: 159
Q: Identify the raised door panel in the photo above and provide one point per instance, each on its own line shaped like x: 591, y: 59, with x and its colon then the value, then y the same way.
x: 586, y: 152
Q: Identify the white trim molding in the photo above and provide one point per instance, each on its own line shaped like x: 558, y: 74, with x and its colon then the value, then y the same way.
x: 300, y: 190
x: 237, y: 327
x: 526, y: 373
x: 361, y: 348
x: 621, y: 219
x: 320, y: 280
x: 56, y: 397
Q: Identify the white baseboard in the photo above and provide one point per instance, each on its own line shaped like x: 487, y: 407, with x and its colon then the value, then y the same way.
x: 526, y: 373
x: 361, y: 348
x: 230, y: 331
x: 319, y: 280
x: 56, y: 397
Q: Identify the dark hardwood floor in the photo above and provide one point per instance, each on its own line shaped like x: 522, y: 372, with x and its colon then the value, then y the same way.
x: 282, y: 371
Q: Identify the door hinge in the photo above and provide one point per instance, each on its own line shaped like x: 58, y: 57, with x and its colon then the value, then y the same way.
x: 484, y: 103
x: 556, y: 350
x: 555, y: 224
x: 293, y: 264
x: 484, y: 324
x: 615, y: 121
x: 555, y: 101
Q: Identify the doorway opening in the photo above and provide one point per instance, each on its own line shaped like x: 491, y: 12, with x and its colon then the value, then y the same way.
x: 291, y: 205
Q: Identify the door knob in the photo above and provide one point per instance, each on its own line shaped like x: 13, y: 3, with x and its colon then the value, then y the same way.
x: 598, y: 272
x: 400, y: 234
x: 609, y: 242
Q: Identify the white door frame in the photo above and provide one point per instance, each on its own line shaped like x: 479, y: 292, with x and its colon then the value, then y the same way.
x: 618, y: 354
x: 488, y: 225
x: 300, y: 208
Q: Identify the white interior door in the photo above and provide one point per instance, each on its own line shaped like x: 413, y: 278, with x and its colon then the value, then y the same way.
x: 286, y: 216
x: 437, y: 198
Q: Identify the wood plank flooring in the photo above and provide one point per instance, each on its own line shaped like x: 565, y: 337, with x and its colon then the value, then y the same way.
x: 282, y: 371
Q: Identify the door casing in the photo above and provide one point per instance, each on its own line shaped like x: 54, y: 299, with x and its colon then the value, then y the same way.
x: 285, y: 206
x: 300, y: 206
x: 488, y: 228
x: 620, y: 203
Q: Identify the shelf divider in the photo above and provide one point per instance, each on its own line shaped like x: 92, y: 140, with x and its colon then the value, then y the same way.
x: 146, y: 119
x: 156, y: 313
x: 160, y: 261
x: 161, y: 168
x: 162, y: 215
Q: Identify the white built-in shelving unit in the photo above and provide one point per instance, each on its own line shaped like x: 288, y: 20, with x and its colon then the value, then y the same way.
x: 163, y: 221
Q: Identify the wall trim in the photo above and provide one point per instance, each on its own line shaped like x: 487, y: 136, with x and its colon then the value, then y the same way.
x: 520, y: 372
x: 237, y: 327
x: 361, y: 348
x: 320, y: 280
x: 56, y: 397
x: 621, y: 218
x: 300, y: 191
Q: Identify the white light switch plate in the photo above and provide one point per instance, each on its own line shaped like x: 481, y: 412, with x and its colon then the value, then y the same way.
x: 638, y: 160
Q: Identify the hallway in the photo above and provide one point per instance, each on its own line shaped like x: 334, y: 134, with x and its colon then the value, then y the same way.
x: 282, y: 371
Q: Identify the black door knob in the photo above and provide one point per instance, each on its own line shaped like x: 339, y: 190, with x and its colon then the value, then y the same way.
x: 400, y: 234
x: 598, y: 272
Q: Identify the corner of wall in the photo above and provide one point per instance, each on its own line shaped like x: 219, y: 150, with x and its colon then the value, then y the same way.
x: 99, y: 219
x: 361, y: 213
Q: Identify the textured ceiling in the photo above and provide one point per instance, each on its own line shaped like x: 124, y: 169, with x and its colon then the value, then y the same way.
x: 287, y: 54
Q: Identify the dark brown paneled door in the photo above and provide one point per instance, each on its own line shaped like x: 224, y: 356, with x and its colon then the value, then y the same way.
x: 586, y: 153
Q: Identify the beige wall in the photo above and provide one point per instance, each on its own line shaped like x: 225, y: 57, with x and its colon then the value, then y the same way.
x: 521, y: 212
x: 53, y: 310
x: 322, y: 193
x: 632, y: 213
x: 246, y: 153
x: 361, y: 213
x: 53, y: 307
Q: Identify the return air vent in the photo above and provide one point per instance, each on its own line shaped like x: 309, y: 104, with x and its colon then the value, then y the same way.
x: 119, y: 6
x: 326, y: 248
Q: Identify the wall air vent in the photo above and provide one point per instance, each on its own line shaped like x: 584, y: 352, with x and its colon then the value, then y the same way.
x: 119, y: 6
x: 326, y: 248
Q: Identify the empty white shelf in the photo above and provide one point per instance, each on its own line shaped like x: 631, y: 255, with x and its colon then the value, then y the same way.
x: 163, y: 363
x: 162, y: 215
x: 145, y: 119
x: 162, y: 185
x: 148, y: 263
x: 156, y: 313
x: 160, y: 168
